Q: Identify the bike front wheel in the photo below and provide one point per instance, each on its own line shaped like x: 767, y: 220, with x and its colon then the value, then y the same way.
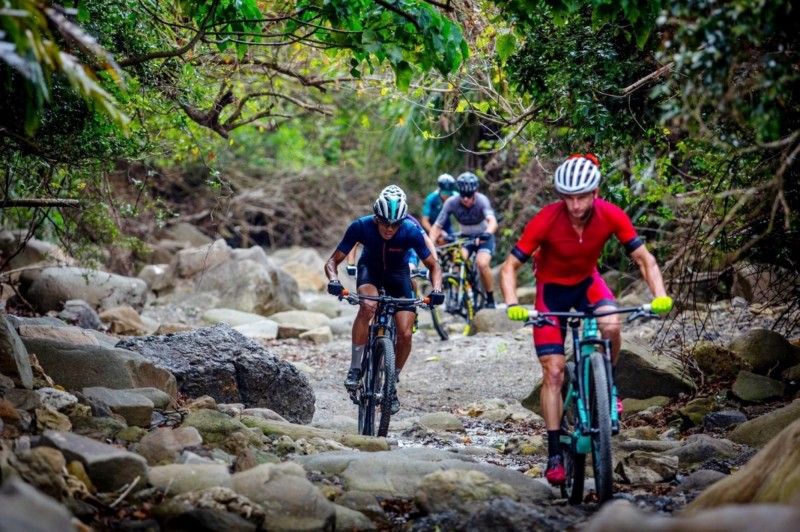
x: 385, y: 382
x: 365, y: 396
x: 600, y: 417
x: 574, y: 462
x: 436, y: 317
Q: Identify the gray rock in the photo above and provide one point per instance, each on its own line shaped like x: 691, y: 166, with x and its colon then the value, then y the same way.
x: 165, y: 445
x: 78, y: 366
x: 210, y: 520
x: 136, y: 409
x: 65, y: 333
x: 509, y: 516
x: 757, y: 388
x: 177, y: 479
x: 214, y: 426
x: 641, y: 467
x: 723, y: 419
x: 463, y: 491
x: 287, y: 496
x: 699, y: 448
x: 53, y: 287
x: 14, y: 360
x: 232, y: 317
x: 699, y: 480
x: 222, y: 363
x: 341, y: 326
x: 494, y: 320
x: 758, y: 431
x: 56, y: 398
x: 79, y: 313
x: 109, y: 468
x: 23, y: 507
x: 641, y: 374
x: 768, y: 352
x: 159, y: 398
x: 97, y: 428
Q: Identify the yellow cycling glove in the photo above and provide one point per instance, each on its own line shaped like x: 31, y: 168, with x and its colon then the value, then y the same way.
x: 661, y: 305
x: 517, y: 313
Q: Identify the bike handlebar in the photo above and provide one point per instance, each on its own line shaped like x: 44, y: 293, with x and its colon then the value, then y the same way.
x: 355, y: 299
x: 541, y: 318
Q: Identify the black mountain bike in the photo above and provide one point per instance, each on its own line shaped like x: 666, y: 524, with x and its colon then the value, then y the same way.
x: 590, y: 400
x: 463, y: 291
x: 378, y: 374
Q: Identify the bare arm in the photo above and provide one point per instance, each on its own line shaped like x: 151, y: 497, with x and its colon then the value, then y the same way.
x: 508, y: 279
x: 351, y: 257
x: 434, y: 271
x: 650, y: 270
x: 332, y: 266
x: 491, y: 224
x: 426, y: 224
x: 434, y: 233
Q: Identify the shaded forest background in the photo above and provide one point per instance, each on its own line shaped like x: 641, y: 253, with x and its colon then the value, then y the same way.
x: 275, y: 123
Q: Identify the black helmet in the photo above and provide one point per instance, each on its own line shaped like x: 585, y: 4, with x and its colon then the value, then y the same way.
x: 467, y: 184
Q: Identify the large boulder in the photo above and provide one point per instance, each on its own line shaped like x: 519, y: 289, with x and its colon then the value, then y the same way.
x: 78, y: 366
x: 768, y: 352
x: 757, y: 432
x: 771, y: 476
x: 762, y: 283
x: 640, y: 373
x: 51, y: 288
x: 220, y: 362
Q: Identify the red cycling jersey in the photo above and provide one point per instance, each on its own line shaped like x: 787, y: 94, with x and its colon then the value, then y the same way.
x: 564, y: 257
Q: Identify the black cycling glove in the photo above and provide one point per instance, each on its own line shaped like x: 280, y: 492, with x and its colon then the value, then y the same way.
x: 436, y: 297
x: 335, y: 288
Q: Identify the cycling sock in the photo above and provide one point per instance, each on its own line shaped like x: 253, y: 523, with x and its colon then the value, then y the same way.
x: 490, y: 297
x: 553, y: 443
x: 356, y: 353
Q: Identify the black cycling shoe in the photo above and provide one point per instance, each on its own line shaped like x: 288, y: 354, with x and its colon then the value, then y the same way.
x: 489, y: 304
x: 395, y: 403
x: 352, y: 380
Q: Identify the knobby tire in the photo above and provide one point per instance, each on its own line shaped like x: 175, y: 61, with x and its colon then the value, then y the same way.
x: 574, y: 463
x: 600, y: 416
x: 384, y: 368
x: 366, y: 396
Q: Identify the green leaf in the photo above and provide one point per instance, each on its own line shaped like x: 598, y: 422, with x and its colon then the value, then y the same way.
x: 403, y: 73
x: 506, y: 45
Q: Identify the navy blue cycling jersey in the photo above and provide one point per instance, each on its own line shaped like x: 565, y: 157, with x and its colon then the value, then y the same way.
x: 389, y: 254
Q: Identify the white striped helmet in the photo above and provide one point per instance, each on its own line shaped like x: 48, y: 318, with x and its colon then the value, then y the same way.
x: 577, y: 175
x: 391, y: 206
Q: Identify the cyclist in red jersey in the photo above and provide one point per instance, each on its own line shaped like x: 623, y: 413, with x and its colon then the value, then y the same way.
x: 566, y: 239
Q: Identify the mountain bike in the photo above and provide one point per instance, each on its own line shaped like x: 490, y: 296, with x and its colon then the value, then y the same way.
x: 590, y: 414
x: 463, y: 291
x: 421, y: 289
x: 376, y: 387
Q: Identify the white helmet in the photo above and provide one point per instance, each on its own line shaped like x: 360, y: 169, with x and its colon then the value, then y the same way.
x: 391, y: 206
x: 577, y: 175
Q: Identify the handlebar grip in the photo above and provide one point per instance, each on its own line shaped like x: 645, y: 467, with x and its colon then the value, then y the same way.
x: 345, y: 292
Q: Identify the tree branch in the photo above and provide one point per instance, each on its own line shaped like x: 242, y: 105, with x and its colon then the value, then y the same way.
x: 39, y: 202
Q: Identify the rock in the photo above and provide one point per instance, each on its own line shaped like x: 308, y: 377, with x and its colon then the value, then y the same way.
x: 696, y: 409
x: 59, y: 400
x: 67, y: 333
x: 79, y: 313
x: 48, y: 418
x: 160, y: 399
x: 223, y: 500
x: 78, y: 366
x: 165, y: 445
x: 123, y: 320
x: 209, y: 520
x: 192, y: 262
x: 641, y: 374
x: 526, y: 295
x: 157, y: 276
x: 642, y: 467
x: 718, y: 362
x: 699, y: 448
x: 318, y: 335
x: 341, y: 326
x: 43, y: 467
x: 723, y: 420
x: 278, y: 428
x: 466, y: 492
x: 220, y: 362
x: 184, y: 232
x: 768, y: 352
x: 260, y: 330
x: 442, y: 421
x: 758, y: 431
x: 184, y: 478
x: 502, y: 410
x: 55, y: 286
x: 623, y: 515
x: 769, y: 477
x: 97, y: 428
x: 21, y: 250
x: 132, y: 434
x: 214, y: 426
x: 347, y: 519
x: 23, y: 507
x: 634, y: 406
x: 762, y: 283
x: 699, y: 480
x: 108, y: 467
x: 136, y: 409
x: 293, y: 323
x: 494, y: 320
x: 263, y: 413
x: 14, y: 360
x: 756, y: 388
x: 232, y: 317
x: 287, y: 497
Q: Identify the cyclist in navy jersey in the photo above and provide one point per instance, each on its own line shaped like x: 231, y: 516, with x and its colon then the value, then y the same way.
x: 446, y: 186
x: 386, y: 237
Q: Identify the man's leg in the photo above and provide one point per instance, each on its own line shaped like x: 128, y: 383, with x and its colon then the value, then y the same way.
x: 402, y: 347
x: 360, y: 335
x: 611, y: 329
x: 552, y: 405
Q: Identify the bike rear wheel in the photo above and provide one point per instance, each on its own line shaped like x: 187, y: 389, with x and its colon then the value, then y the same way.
x: 366, y: 396
x: 600, y: 417
x: 384, y: 368
x: 574, y: 462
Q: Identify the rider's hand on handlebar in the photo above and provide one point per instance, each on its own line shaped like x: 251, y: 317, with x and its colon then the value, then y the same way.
x: 436, y: 297
x: 351, y: 270
x: 517, y: 313
x: 335, y: 288
x: 661, y: 305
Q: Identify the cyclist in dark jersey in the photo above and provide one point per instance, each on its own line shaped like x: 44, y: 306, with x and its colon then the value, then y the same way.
x: 386, y: 237
x: 566, y: 239
x: 446, y: 186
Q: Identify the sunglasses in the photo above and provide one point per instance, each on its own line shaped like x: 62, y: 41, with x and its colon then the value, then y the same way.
x: 390, y: 225
x: 468, y: 195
